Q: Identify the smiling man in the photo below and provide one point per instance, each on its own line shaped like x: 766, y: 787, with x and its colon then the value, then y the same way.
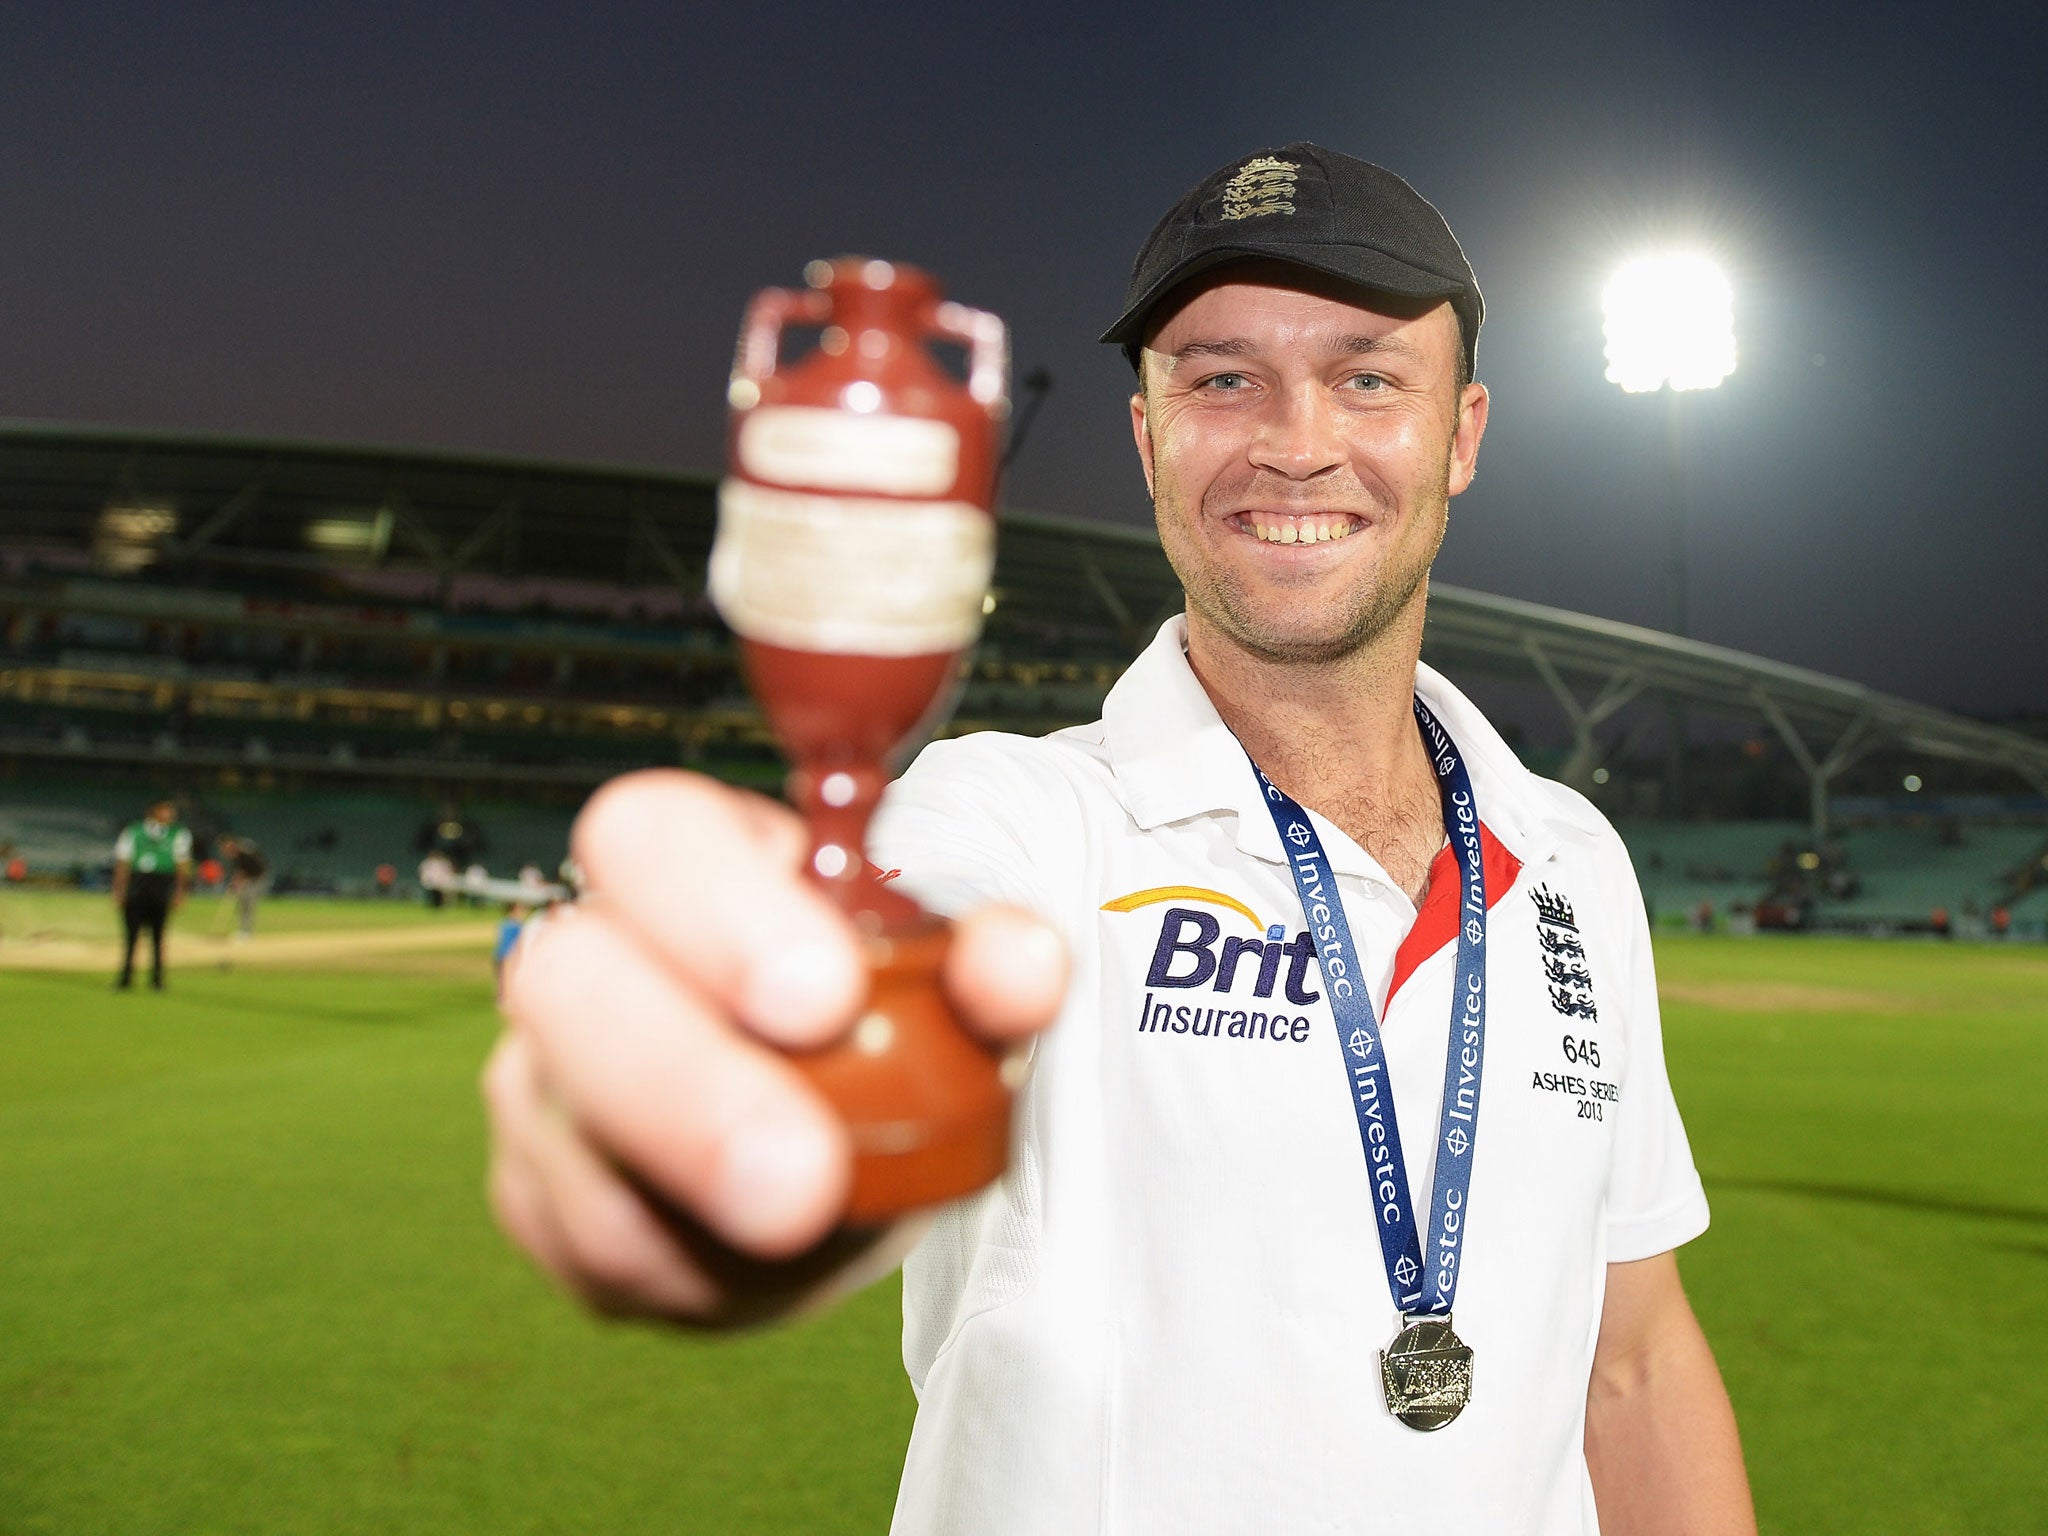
x: 1347, y: 1177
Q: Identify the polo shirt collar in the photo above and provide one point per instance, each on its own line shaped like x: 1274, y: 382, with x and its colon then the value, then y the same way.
x: 1175, y: 759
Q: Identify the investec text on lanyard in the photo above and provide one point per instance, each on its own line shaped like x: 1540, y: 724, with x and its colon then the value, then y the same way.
x: 1427, y: 1372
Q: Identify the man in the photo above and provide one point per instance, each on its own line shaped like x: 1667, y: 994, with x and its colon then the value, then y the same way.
x: 1208, y: 1295
x: 152, y: 868
x: 248, y: 881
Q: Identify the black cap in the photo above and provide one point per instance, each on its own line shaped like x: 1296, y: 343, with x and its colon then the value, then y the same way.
x: 1315, y: 208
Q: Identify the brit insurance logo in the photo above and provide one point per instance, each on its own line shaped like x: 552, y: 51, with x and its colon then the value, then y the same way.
x: 1205, y: 981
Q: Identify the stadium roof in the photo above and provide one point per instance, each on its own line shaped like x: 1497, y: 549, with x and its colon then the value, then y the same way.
x: 1065, y: 587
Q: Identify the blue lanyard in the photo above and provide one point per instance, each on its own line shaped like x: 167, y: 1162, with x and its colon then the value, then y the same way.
x: 1419, y: 1286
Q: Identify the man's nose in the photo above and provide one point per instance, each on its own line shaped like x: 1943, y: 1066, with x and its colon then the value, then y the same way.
x: 1298, y: 435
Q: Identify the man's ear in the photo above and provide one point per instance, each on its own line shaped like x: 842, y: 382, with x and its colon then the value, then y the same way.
x: 1472, y: 408
x: 1141, y: 432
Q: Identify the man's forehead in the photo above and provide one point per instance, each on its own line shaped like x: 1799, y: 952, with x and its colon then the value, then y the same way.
x: 1243, y: 314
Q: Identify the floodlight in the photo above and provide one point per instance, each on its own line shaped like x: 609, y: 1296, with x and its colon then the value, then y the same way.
x: 1670, y: 319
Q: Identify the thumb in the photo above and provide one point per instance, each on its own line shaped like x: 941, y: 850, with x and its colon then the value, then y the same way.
x: 1007, y: 972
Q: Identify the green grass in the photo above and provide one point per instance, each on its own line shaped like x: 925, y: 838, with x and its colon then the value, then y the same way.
x: 247, y: 1281
x: 1875, y: 1276
x: 247, y: 1284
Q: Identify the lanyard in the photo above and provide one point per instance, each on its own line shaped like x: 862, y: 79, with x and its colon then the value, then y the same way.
x: 1419, y: 1286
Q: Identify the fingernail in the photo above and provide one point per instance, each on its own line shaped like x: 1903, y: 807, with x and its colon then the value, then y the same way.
x: 1032, y: 955
x: 801, y: 986
x: 1039, y: 948
x: 772, y: 1180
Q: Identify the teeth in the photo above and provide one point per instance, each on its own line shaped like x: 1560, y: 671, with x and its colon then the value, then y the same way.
x: 1309, y: 530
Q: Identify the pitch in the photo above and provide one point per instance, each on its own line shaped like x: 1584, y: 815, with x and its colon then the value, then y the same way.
x: 247, y: 1282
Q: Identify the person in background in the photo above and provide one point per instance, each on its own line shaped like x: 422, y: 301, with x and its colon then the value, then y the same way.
x: 152, y: 868
x: 248, y: 880
x: 436, y: 875
x: 508, y: 940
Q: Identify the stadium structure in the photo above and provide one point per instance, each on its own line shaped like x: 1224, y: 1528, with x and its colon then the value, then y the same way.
x: 343, y: 647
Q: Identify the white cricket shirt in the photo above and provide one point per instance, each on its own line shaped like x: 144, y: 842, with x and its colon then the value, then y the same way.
x: 1166, y: 1316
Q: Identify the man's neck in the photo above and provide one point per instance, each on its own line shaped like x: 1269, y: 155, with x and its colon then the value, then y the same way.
x: 1337, y: 734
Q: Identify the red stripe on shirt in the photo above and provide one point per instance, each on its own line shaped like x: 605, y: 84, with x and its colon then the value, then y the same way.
x: 1437, y: 923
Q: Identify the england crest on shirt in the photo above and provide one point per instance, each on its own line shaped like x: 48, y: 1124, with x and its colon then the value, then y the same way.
x: 1568, y: 977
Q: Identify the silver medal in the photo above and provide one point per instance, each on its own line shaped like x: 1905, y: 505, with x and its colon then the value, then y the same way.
x: 1427, y: 1373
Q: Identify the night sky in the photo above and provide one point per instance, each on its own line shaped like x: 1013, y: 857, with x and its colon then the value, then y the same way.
x: 530, y: 229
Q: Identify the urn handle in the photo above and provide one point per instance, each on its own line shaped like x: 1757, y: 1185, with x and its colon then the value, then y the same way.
x: 987, y: 341
x: 773, y: 309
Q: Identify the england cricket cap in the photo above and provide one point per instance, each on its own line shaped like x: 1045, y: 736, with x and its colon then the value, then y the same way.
x: 1314, y: 208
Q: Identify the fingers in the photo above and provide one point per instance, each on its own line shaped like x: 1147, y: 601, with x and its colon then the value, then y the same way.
x: 580, y: 1220
x: 654, y: 1150
x: 1006, y: 972
x: 625, y: 1252
x: 707, y: 878
x: 655, y: 1080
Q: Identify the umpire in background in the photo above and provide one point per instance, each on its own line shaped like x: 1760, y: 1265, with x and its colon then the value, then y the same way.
x: 152, y: 868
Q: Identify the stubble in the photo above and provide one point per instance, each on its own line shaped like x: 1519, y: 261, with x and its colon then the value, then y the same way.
x: 1319, y: 627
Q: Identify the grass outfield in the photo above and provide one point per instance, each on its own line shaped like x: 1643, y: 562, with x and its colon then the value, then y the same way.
x: 247, y: 1283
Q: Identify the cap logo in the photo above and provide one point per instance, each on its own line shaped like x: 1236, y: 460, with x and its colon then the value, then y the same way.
x: 1262, y: 186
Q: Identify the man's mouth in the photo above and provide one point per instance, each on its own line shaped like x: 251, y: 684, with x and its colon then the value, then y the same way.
x: 1296, y: 528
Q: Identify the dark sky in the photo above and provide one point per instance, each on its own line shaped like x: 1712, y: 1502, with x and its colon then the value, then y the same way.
x: 530, y: 229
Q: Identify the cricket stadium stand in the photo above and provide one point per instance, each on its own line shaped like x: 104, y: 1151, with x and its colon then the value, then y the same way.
x: 262, y: 616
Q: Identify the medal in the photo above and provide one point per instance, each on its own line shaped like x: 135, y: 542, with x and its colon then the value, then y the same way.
x: 1426, y: 1373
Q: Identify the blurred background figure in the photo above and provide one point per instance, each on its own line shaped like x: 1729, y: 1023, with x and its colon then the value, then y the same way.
x: 436, y: 874
x: 451, y: 834
x: 248, y: 874
x: 508, y: 940
x: 152, y: 866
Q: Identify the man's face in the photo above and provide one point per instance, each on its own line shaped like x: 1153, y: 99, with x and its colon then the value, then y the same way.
x: 1302, y: 451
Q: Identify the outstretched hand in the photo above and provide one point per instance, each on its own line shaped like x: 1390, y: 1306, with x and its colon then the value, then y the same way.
x: 652, y: 1147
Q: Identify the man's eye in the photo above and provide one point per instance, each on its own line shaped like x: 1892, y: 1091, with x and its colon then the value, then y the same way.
x: 1368, y: 382
x: 1226, y: 381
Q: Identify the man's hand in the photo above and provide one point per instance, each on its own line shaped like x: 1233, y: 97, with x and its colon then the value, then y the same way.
x: 651, y: 1148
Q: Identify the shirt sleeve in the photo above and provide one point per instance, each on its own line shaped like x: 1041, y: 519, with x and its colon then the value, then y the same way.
x: 979, y: 820
x: 124, y: 846
x: 181, y: 846
x: 1655, y: 1200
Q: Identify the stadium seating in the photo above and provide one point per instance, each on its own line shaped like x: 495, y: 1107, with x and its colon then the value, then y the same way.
x: 1682, y: 864
x: 1906, y: 871
x: 1901, y: 872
